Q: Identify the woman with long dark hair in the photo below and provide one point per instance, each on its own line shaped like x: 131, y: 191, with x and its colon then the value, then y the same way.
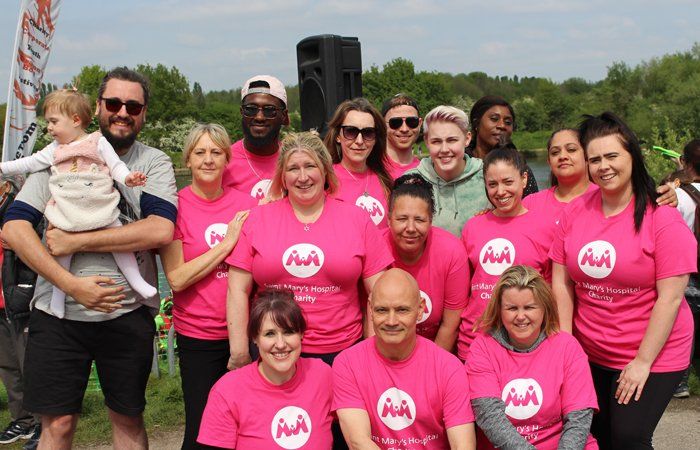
x: 621, y: 264
x: 356, y: 140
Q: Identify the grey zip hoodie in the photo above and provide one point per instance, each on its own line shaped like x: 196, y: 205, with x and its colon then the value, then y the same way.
x: 457, y: 200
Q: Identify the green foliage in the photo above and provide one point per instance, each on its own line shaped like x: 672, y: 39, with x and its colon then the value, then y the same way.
x: 170, y: 98
x: 88, y: 80
x: 168, y: 136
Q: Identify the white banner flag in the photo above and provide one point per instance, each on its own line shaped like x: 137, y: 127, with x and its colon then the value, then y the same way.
x: 37, y: 21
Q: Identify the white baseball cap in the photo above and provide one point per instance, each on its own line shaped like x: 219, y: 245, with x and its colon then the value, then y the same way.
x: 274, y: 87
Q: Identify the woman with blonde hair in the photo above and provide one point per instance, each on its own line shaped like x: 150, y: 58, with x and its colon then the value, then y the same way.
x: 530, y: 383
x: 311, y: 243
x: 208, y: 223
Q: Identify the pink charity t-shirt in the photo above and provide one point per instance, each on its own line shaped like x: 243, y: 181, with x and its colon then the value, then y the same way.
x: 248, y: 172
x: 200, y: 310
x: 546, y: 201
x: 246, y: 412
x: 323, y: 266
x: 363, y: 190
x: 442, y: 274
x: 615, y: 271
x: 538, y: 388
x: 397, y: 169
x: 410, y: 403
x: 494, y: 244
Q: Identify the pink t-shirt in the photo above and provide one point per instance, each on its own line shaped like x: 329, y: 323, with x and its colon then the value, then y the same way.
x: 397, y: 169
x: 248, y: 172
x: 546, y: 201
x: 410, y: 403
x: 539, y: 388
x: 245, y: 411
x: 442, y: 274
x: 494, y: 244
x: 364, y: 190
x: 200, y: 310
x: 615, y: 271
x: 323, y: 266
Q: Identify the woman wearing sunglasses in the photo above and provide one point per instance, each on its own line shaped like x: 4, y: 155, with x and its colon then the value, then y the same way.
x: 208, y: 224
x: 356, y: 140
x: 493, y: 122
x: 308, y: 241
x: 456, y: 178
x: 403, y: 121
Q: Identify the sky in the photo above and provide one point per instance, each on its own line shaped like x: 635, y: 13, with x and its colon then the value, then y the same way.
x: 221, y: 43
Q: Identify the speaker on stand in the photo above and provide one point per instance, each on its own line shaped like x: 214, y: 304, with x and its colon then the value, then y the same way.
x: 330, y: 71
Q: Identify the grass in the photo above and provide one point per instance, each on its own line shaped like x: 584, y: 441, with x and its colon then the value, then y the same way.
x: 164, y: 411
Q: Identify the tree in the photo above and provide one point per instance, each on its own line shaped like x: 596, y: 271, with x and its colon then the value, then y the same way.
x: 170, y: 98
x: 88, y: 80
x: 198, y: 96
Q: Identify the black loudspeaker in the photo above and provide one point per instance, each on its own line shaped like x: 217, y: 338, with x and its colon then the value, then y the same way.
x: 330, y: 71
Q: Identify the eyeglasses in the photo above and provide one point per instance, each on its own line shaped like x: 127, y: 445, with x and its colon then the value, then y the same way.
x: 350, y: 133
x: 396, y: 122
x: 269, y: 111
x: 133, y: 108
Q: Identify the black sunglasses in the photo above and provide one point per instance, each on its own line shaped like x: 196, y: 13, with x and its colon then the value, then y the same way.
x: 269, y: 111
x: 133, y: 108
x: 349, y: 132
x: 396, y: 122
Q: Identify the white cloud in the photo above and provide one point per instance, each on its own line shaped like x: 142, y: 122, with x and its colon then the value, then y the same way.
x: 97, y: 43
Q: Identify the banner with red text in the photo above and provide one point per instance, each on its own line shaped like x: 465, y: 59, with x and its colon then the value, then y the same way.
x: 37, y: 21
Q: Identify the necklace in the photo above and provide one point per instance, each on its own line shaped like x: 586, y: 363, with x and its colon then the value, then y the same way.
x: 245, y: 155
x: 366, y: 194
x: 311, y: 219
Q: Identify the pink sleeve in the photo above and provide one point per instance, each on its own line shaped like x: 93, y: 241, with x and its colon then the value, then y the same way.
x: 457, y: 283
x: 177, y: 233
x: 557, y: 253
x: 675, y: 246
x: 577, y: 391
x: 219, y: 427
x: 456, y: 405
x: 346, y: 389
x: 483, y: 380
x: 377, y: 253
x: 242, y: 254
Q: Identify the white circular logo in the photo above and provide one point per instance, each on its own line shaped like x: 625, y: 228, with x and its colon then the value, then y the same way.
x: 260, y: 189
x: 496, y: 256
x: 523, y: 398
x: 215, y: 233
x: 373, y: 207
x: 428, y: 307
x: 291, y: 427
x: 597, y: 259
x: 396, y: 409
x: 303, y: 260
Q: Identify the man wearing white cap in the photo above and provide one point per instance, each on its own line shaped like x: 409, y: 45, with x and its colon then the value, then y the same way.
x: 253, y: 158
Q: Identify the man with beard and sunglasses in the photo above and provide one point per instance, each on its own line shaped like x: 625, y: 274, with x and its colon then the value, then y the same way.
x: 105, y: 321
x: 403, y: 128
x: 263, y: 114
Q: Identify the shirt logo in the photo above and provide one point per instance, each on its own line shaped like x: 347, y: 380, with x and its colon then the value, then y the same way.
x: 291, y: 427
x: 496, y: 256
x: 373, y: 207
x: 428, y: 307
x: 303, y: 260
x: 396, y: 409
x: 523, y: 398
x: 215, y: 233
x: 260, y: 189
x: 597, y: 259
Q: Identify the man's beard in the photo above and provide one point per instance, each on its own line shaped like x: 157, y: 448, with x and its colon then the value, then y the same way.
x: 118, y: 142
x: 260, y: 141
